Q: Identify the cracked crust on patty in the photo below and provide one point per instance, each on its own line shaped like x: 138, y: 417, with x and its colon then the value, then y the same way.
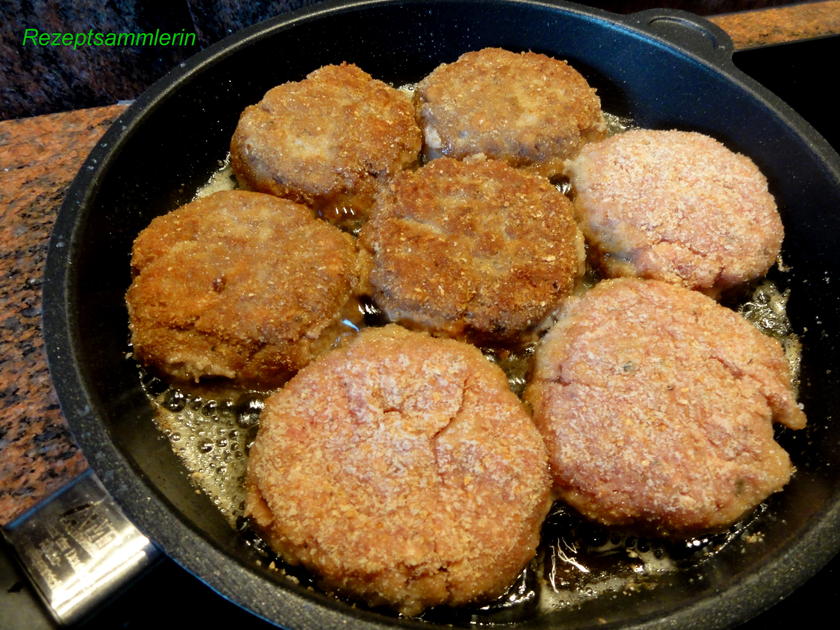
x: 656, y: 405
x: 675, y: 206
x: 402, y: 471
x: 527, y: 109
x: 239, y: 285
x: 328, y: 141
x: 473, y: 249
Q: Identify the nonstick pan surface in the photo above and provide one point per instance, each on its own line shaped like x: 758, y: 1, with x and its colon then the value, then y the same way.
x: 664, y: 69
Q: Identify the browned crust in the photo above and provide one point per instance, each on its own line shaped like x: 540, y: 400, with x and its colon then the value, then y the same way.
x: 402, y: 471
x: 471, y: 249
x: 239, y: 285
x: 527, y: 109
x: 656, y: 405
x: 328, y: 141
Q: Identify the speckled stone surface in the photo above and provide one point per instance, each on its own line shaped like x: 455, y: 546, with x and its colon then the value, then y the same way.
x: 215, y: 19
x: 786, y: 24
x: 38, y: 159
x: 43, y: 79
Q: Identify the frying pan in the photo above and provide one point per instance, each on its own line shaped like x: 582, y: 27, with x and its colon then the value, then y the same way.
x: 665, y: 69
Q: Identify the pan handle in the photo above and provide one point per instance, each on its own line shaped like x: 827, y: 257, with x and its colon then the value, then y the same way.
x: 78, y: 548
x: 705, y: 39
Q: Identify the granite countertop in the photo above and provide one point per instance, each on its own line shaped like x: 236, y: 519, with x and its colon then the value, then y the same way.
x: 38, y: 159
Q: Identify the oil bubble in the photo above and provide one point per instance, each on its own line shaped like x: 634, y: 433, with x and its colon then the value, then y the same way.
x: 174, y: 400
x: 248, y: 410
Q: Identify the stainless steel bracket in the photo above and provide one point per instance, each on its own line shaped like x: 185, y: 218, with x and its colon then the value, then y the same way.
x: 78, y: 548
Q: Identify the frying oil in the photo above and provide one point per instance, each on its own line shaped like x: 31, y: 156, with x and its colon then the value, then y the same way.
x: 211, y: 427
x: 221, y: 179
x: 766, y: 309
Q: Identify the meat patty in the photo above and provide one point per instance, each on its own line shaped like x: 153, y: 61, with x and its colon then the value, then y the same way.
x: 239, y: 285
x: 656, y: 405
x: 401, y: 470
x: 327, y: 141
x: 675, y: 206
x: 527, y: 109
x: 473, y: 249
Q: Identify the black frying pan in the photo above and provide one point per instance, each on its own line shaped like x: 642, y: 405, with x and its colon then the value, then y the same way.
x: 663, y: 68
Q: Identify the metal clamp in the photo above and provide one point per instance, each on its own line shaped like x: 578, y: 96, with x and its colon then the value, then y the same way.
x: 78, y: 548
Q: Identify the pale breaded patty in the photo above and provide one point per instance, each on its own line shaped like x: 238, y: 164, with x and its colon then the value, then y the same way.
x: 675, y: 206
x: 327, y: 141
x: 402, y: 471
x: 239, y: 285
x: 527, y: 109
x: 657, y: 404
x: 473, y: 249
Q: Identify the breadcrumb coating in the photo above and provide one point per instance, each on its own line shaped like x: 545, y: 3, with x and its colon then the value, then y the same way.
x: 328, y: 141
x: 473, y: 249
x: 527, y: 109
x: 675, y: 206
x: 402, y: 471
x: 239, y: 285
x: 656, y: 405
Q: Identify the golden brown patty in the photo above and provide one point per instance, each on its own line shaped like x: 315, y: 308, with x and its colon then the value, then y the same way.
x: 657, y: 404
x: 526, y: 109
x: 476, y: 249
x: 676, y: 206
x: 239, y: 285
x: 327, y: 141
x: 402, y: 470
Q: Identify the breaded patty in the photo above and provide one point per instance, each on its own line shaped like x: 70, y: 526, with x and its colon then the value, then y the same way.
x: 473, y: 249
x: 527, y: 109
x: 657, y: 404
x: 675, y: 206
x: 327, y: 141
x: 401, y: 470
x: 239, y: 285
